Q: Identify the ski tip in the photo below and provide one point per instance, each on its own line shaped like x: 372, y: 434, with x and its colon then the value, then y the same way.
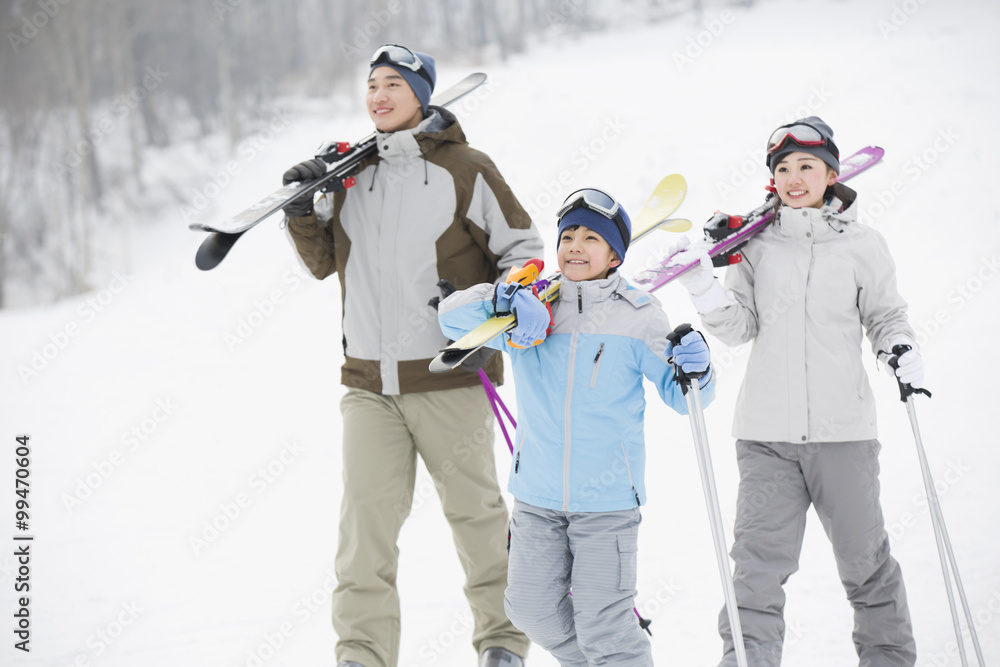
x: 214, y: 249
x: 445, y: 362
x: 675, y: 225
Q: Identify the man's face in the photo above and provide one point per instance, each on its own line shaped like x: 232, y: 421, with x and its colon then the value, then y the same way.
x: 392, y: 104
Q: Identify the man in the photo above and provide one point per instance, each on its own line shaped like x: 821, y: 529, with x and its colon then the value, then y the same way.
x: 427, y: 207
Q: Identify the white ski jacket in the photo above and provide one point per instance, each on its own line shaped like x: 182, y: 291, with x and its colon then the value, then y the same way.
x: 808, y: 287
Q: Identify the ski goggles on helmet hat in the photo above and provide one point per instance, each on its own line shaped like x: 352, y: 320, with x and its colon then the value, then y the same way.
x: 394, y: 54
x: 599, y: 202
x: 802, y: 134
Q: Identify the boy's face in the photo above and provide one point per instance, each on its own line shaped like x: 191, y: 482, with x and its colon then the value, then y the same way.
x: 583, y: 254
x: 801, y: 180
x: 391, y: 103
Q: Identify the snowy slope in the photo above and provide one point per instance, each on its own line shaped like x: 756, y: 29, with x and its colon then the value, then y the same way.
x: 152, y: 428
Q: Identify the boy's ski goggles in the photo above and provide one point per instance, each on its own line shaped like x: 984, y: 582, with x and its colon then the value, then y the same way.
x: 394, y: 54
x: 801, y: 134
x: 599, y: 202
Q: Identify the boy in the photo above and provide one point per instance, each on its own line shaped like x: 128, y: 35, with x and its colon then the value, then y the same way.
x: 577, y: 474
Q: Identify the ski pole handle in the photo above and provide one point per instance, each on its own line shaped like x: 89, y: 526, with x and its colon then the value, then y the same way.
x: 905, y: 390
x: 523, y: 276
x: 684, y: 378
x: 527, y: 274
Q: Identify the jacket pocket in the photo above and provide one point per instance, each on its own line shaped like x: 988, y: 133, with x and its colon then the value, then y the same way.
x: 597, y: 366
x: 627, y: 565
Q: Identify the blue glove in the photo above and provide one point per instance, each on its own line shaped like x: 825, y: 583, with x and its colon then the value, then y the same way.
x: 501, y: 302
x: 692, y: 355
x: 532, y: 319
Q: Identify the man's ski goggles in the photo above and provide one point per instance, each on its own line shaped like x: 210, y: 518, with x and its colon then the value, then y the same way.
x: 599, y: 202
x: 801, y: 134
x: 394, y: 54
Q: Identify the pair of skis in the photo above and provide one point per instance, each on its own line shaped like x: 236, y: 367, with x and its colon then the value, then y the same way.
x: 722, y: 243
x: 655, y: 215
x: 345, y: 161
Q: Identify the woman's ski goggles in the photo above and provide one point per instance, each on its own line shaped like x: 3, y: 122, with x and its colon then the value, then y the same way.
x: 394, y: 54
x: 599, y: 202
x: 802, y: 134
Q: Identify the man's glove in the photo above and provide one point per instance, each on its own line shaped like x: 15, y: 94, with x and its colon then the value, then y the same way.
x: 303, y: 171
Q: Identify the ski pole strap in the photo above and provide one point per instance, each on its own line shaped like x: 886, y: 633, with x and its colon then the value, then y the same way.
x: 491, y: 393
x: 905, y: 390
x: 682, y: 377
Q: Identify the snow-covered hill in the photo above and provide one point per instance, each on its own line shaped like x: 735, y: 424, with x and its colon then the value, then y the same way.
x: 184, y: 426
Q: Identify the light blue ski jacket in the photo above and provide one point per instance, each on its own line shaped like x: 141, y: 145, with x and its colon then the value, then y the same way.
x: 579, y: 444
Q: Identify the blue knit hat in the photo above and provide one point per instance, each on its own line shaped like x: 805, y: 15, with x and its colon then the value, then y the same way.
x: 608, y: 229
x: 421, y: 87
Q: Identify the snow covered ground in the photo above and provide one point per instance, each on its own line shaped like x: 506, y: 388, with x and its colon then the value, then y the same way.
x: 184, y: 426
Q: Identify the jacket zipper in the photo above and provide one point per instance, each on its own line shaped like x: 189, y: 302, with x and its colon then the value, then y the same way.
x: 579, y: 298
x: 628, y: 468
x: 597, y: 365
x: 567, y: 420
x: 517, y: 459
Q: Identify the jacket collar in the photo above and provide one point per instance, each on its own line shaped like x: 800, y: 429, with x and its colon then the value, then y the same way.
x: 831, y: 220
x: 588, y: 292
x: 440, y: 126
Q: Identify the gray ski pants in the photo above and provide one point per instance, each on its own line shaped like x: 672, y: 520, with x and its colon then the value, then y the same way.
x: 778, y: 482
x: 592, y: 553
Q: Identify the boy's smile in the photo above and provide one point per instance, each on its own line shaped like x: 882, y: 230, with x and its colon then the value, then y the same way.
x: 583, y: 254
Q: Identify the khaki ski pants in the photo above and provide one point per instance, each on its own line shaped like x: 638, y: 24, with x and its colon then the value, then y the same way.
x: 452, y: 431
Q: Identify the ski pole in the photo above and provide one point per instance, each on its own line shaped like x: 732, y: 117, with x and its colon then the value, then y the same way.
x: 495, y: 400
x: 945, y: 553
x: 696, y: 412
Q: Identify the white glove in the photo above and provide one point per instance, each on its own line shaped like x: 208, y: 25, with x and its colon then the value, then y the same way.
x: 909, y: 369
x: 705, y: 291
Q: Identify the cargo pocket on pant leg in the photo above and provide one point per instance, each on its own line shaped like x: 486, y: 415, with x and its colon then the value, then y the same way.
x: 627, y: 548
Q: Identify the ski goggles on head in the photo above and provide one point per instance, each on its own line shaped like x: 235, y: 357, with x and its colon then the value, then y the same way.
x: 394, y: 54
x: 599, y: 202
x: 801, y: 134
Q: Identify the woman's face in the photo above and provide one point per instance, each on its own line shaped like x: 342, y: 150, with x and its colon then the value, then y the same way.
x: 801, y: 180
